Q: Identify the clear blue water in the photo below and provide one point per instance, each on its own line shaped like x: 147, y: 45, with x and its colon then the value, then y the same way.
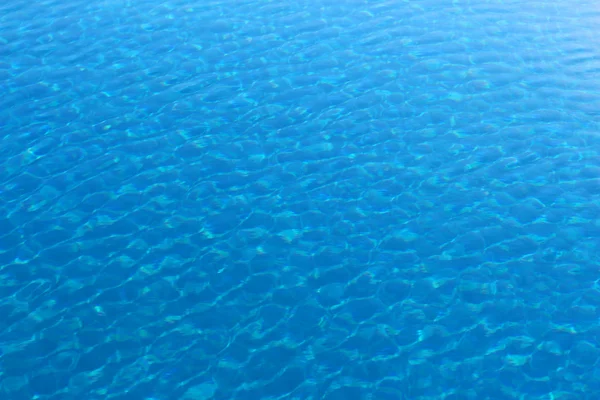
x: 299, y: 200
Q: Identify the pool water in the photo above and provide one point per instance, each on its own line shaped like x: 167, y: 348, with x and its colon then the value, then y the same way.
x: 232, y: 199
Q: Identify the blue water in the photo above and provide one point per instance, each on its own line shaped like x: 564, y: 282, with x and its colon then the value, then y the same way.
x: 231, y: 199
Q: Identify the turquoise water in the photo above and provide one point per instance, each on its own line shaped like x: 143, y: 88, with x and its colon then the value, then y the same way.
x: 299, y: 200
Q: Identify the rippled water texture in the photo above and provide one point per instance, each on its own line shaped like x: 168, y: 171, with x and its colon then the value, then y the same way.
x: 253, y: 200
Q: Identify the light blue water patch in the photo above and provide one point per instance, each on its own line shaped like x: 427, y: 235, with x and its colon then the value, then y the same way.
x: 299, y: 200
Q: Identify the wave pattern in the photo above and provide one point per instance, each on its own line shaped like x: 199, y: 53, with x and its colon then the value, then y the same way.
x: 299, y: 200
